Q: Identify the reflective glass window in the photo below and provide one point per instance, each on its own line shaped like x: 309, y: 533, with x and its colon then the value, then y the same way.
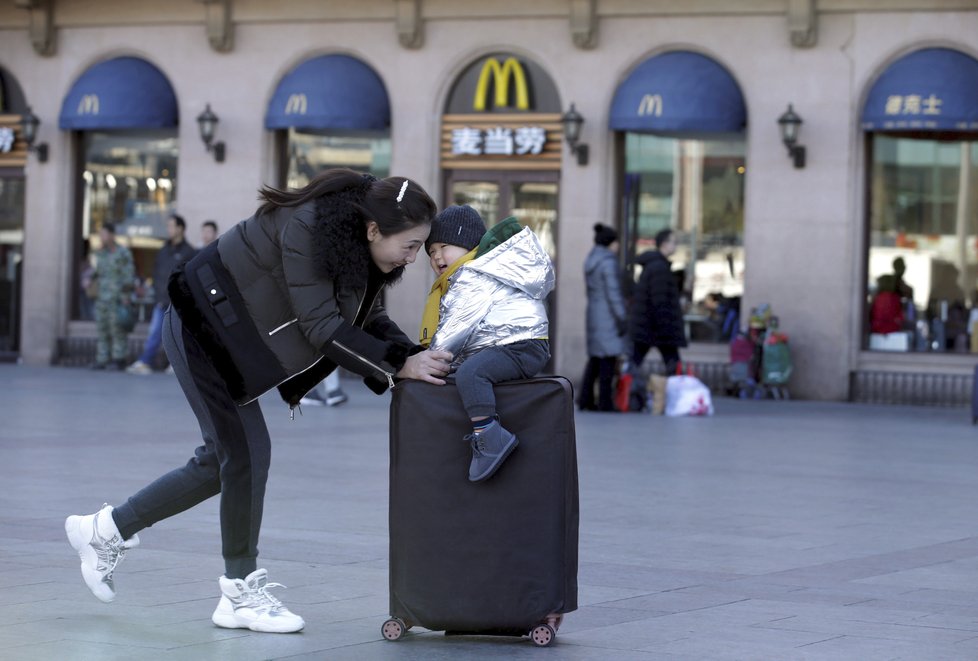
x: 310, y: 153
x: 129, y: 179
x: 923, y: 245
x: 696, y: 188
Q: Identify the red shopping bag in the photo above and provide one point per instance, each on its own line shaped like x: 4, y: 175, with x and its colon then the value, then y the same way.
x: 623, y: 391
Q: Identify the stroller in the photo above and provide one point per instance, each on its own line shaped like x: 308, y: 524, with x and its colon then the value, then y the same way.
x: 760, y: 359
x: 742, y: 370
x: 776, y: 365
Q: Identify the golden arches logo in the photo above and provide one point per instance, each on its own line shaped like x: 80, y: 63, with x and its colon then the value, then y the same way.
x: 88, y: 105
x: 296, y: 105
x: 651, y: 104
x: 500, y: 74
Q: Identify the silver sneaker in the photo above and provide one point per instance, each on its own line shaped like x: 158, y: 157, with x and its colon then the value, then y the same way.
x: 100, y: 547
x: 246, y: 604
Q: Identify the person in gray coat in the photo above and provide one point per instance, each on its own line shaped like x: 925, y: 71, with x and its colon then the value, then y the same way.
x: 606, y: 320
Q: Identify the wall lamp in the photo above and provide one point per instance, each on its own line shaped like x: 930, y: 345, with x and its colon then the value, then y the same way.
x: 30, y: 122
x: 790, y: 122
x: 572, y: 122
x: 207, y: 121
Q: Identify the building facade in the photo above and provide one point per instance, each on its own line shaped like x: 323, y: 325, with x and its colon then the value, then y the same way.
x: 680, y: 105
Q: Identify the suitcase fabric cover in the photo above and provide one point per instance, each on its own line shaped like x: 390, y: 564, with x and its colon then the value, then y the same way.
x: 494, y: 557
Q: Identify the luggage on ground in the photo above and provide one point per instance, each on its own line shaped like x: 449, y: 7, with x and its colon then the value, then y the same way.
x: 497, y: 557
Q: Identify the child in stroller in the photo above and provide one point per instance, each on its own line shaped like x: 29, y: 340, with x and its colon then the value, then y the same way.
x: 760, y: 361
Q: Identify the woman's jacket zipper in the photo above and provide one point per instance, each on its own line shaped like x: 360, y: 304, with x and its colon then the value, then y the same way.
x: 389, y: 375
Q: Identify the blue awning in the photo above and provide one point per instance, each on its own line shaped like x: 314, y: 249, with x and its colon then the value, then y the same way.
x: 121, y: 93
x: 933, y: 89
x: 330, y: 92
x: 678, y: 92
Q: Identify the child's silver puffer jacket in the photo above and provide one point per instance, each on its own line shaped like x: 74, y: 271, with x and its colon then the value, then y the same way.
x: 497, y: 298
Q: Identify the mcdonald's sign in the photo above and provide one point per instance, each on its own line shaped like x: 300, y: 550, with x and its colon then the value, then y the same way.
x: 297, y: 104
x: 88, y: 105
x: 500, y: 75
x: 651, y: 104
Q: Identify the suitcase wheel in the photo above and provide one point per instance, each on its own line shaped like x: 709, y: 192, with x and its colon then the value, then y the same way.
x: 543, y: 635
x: 554, y: 621
x: 394, y: 629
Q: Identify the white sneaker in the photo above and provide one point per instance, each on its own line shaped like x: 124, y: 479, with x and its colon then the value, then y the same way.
x: 335, y: 398
x: 139, y: 367
x: 246, y: 604
x: 100, y: 547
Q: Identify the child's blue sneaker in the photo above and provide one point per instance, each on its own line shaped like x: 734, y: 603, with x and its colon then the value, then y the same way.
x: 489, y: 450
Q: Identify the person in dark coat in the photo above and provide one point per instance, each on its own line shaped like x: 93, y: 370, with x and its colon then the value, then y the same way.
x: 278, y: 301
x: 174, y: 252
x: 657, y: 317
x: 606, y: 320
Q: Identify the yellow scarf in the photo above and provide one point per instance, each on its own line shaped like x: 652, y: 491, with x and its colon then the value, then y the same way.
x: 429, y: 320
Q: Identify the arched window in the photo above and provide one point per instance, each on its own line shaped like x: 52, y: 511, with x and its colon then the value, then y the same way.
x: 921, y: 123
x: 681, y: 120
x: 125, y: 115
x: 331, y: 111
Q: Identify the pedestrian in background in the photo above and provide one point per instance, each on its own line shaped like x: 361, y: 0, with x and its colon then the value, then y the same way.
x: 327, y: 393
x: 657, y: 316
x: 208, y: 233
x: 113, y: 281
x: 174, y: 252
x: 606, y: 320
x: 280, y: 300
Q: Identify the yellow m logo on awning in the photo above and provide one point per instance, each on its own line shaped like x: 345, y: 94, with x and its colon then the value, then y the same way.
x: 296, y: 105
x: 500, y: 75
x: 88, y: 105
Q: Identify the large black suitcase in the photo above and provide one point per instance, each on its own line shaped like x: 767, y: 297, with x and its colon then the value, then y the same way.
x: 497, y: 557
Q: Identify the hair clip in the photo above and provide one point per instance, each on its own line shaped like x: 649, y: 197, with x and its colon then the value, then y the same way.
x: 400, y: 196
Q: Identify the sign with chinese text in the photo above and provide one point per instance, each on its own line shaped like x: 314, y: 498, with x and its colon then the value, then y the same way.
x: 503, y: 113
x: 912, y: 111
x: 928, y: 90
x: 502, y: 142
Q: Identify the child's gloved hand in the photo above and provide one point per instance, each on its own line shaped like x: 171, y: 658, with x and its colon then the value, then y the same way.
x: 428, y: 365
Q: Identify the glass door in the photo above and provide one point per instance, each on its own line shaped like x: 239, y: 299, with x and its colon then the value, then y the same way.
x: 530, y: 196
x: 11, y: 260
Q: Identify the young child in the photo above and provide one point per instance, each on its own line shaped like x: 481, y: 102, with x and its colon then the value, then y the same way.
x: 487, y: 309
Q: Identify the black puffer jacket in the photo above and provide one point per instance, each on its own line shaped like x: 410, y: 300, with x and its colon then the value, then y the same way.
x: 258, y: 304
x: 168, y: 259
x: 657, y: 319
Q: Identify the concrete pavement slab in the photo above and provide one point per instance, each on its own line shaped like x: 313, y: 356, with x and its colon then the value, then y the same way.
x: 788, y: 530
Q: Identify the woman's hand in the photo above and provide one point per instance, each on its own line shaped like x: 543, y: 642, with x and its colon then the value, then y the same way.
x: 428, y: 366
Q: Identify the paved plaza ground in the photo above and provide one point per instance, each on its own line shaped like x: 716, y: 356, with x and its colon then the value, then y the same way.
x: 773, y: 530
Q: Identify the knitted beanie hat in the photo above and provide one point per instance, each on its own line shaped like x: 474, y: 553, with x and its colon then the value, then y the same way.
x: 457, y: 226
x: 604, y: 235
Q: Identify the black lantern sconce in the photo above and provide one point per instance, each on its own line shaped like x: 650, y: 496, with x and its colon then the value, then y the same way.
x: 572, y: 121
x: 30, y: 122
x: 207, y: 121
x: 790, y: 122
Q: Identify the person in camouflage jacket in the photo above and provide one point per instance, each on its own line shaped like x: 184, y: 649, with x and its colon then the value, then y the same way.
x: 114, y: 275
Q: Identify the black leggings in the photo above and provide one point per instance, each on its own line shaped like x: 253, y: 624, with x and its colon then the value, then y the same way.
x: 233, y: 461
x: 602, y: 370
x: 670, y: 356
